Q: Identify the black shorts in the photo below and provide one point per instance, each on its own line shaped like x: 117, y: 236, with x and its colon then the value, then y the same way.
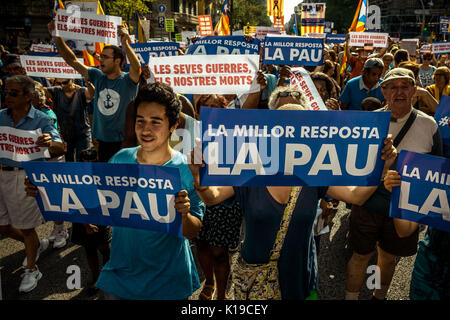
x: 368, y: 228
x: 90, y: 241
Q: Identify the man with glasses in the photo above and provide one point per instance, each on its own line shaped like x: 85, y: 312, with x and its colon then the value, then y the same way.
x: 19, y: 214
x: 371, y: 228
x: 114, y: 89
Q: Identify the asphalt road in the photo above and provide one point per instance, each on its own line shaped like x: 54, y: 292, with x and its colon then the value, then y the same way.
x: 55, y: 263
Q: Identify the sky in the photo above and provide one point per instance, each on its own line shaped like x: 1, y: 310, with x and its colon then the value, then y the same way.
x: 289, y: 8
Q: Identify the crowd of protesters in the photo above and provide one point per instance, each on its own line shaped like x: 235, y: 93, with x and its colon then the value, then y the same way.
x: 140, y: 127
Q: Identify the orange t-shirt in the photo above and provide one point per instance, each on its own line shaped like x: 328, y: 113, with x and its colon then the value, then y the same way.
x: 356, y: 65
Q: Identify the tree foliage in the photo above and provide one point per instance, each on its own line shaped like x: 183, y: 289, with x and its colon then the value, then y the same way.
x: 126, y: 8
x: 249, y: 13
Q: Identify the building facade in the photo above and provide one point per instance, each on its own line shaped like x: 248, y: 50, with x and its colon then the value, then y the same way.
x: 412, y: 18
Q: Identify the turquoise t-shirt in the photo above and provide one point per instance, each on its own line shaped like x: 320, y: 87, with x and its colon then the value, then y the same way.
x: 149, y: 265
x: 110, y: 104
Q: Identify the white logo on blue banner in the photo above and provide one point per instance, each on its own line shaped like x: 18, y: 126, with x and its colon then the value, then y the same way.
x: 424, y: 191
x: 442, y: 117
x: 244, y: 147
x: 223, y: 45
x: 293, y: 51
x: 154, y: 49
x: 123, y: 195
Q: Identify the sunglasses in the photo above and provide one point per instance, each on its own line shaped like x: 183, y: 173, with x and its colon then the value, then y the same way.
x: 285, y: 94
x: 62, y: 82
x: 12, y: 93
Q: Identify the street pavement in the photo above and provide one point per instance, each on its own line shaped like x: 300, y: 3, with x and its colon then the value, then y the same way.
x: 55, y: 264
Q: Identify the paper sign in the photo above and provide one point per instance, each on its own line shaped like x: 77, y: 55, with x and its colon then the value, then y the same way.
x: 87, y: 26
x: 301, y: 79
x: 19, y: 145
x: 409, y: 45
x: 249, y: 147
x: 41, y: 47
x: 124, y: 195
x: 424, y: 191
x: 206, y: 74
x: 360, y: 39
x: 48, y: 67
x: 205, y: 25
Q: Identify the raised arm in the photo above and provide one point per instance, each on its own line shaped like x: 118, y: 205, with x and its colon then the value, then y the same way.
x: 209, y: 195
x: 67, y: 54
x: 135, y: 66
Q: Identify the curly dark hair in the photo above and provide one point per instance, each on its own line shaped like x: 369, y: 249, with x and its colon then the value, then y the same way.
x: 163, y: 94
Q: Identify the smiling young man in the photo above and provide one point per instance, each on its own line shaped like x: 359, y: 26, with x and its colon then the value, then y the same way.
x: 146, y: 264
x: 371, y: 228
x: 114, y: 90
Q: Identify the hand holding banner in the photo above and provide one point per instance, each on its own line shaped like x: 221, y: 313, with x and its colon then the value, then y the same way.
x: 20, y: 145
x: 124, y: 195
x: 424, y: 191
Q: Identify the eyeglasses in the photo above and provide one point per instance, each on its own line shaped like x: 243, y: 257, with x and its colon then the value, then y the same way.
x: 427, y: 59
x: 13, y: 93
x: 62, y: 82
x: 285, y: 94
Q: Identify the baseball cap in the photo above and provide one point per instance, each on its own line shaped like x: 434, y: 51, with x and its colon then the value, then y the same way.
x: 398, y: 73
x: 373, y: 63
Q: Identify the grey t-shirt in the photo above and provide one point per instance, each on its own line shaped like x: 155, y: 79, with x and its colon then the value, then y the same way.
x: 72, y: 114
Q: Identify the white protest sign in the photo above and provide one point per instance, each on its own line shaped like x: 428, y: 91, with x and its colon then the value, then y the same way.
x: 206, y: 74
x: 49, y: 67
x: 41, y: 47
x: 360, y: 39
x: 83, y: 6
x: 187, y: 35
x: 301, y: 79
x: 87, y: 26
x: 19, y: 145
x: 409, y: 45
x: 440, y: 47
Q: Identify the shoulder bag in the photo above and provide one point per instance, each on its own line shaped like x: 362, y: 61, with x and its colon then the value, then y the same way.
x: 260, y: 281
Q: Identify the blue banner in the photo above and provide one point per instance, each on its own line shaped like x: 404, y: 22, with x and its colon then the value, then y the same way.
x: 154, y: 49
x: 335, y: 38
x: 245, y: 147
x: 123, y: 195
x: 293, y: 51
x: 424, y: 191
x: 442, y: 117
x: 212, y: 45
